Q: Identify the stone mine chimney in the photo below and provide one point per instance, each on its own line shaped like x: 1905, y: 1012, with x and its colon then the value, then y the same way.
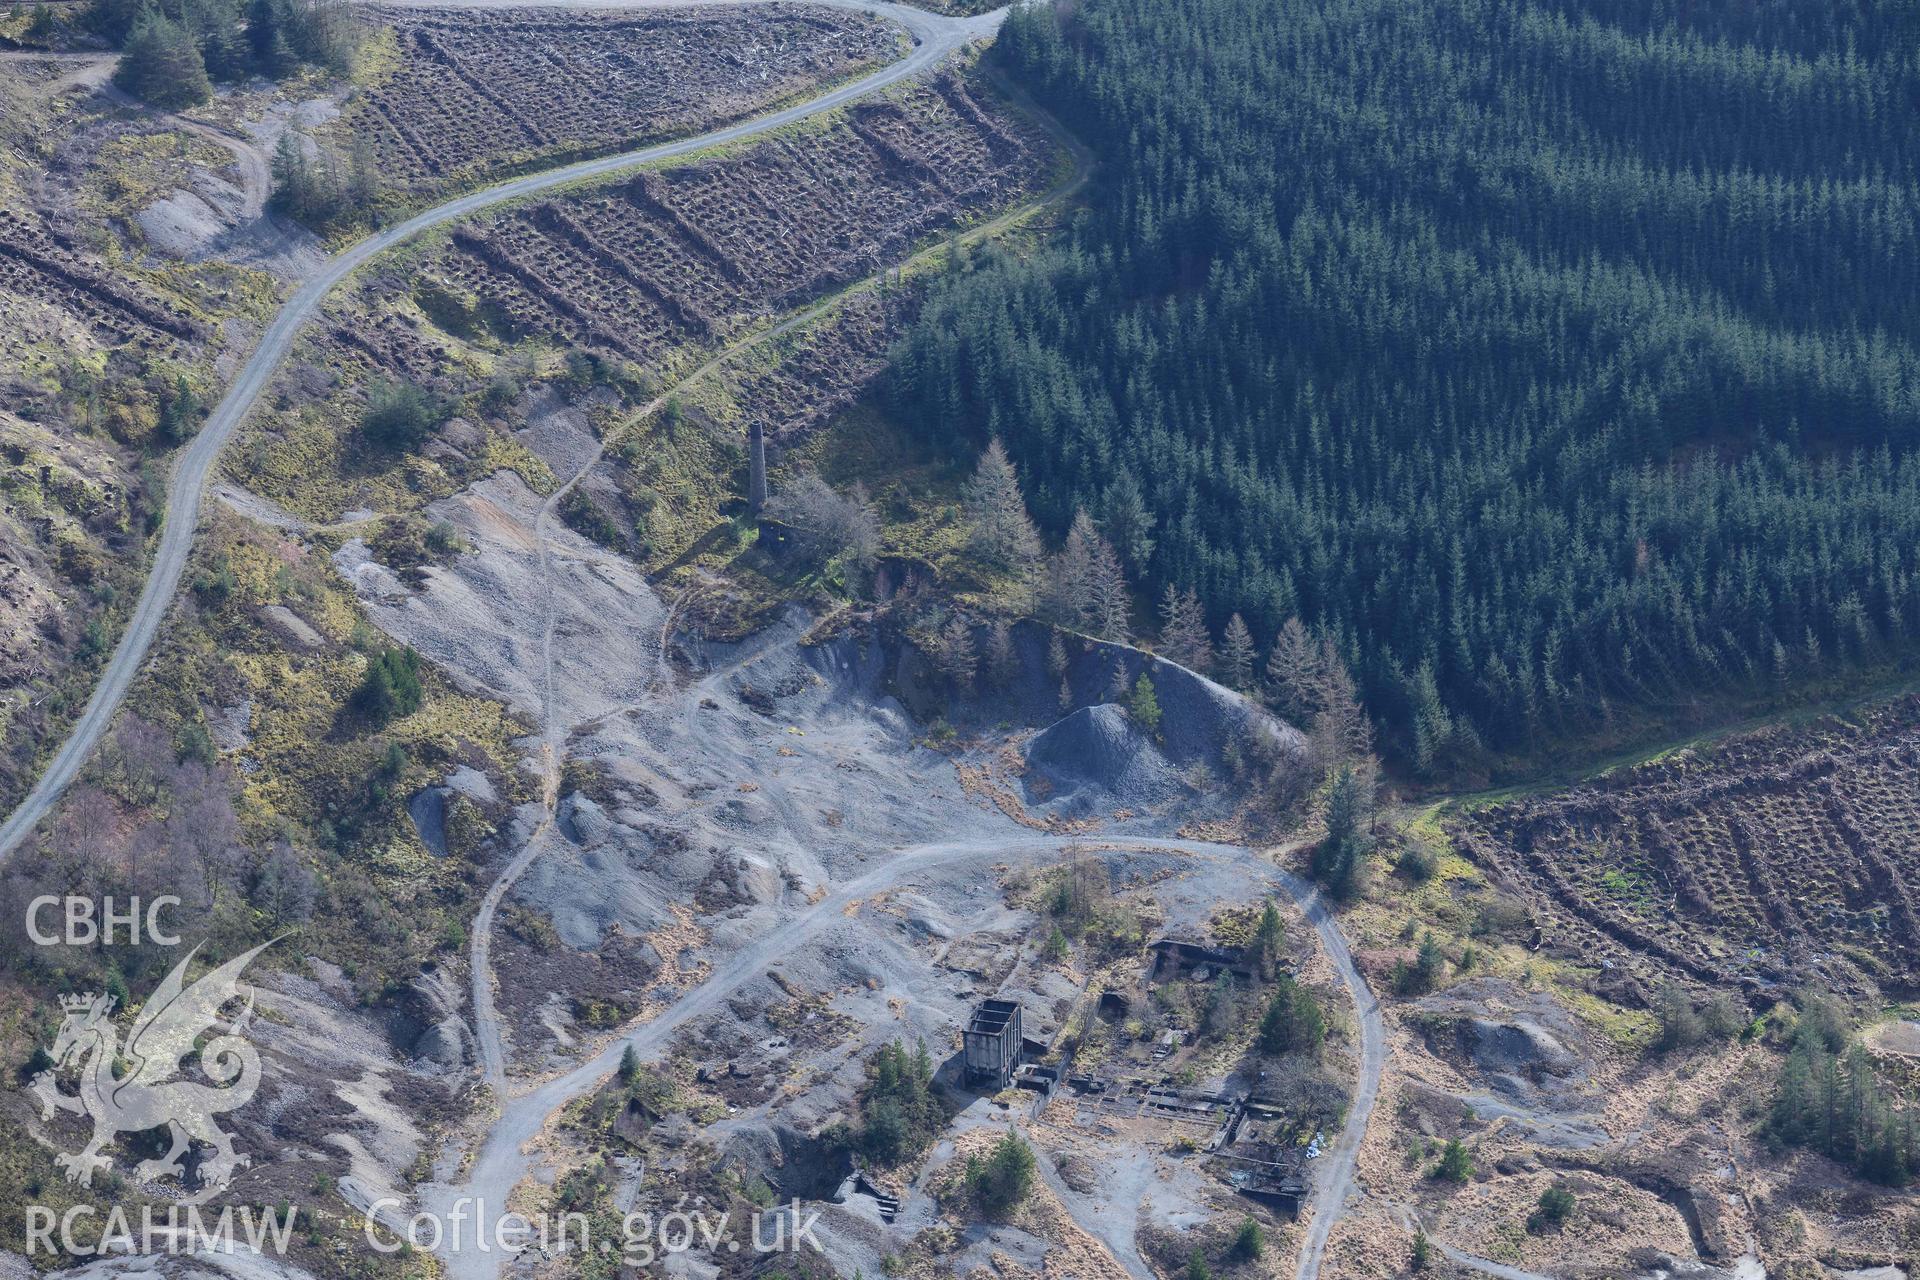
x: 756, y: 468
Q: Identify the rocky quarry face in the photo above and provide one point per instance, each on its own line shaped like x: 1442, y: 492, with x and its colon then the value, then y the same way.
x: 753, y: 851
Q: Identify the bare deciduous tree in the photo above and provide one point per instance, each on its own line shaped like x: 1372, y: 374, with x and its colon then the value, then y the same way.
x: 87, y: 827
x: 142, y: 759
x: 1340, y: 729
x: 1069, y: 594
x: 1183, y: 630
x: 1001, y: 662
x: 1110, y: 601
x: 1294, y: 674
x: 953, y: 651
x: 202, y: 826
x: 827, y: 524
x: 285, y: 887
x: 1236, y: 655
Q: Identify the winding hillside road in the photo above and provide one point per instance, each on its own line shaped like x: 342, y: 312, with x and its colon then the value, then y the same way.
x: 934, y: 38
x: 501, y: 1161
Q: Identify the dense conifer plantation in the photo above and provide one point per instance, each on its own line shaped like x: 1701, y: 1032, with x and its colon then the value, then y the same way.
x: 1556, y: 357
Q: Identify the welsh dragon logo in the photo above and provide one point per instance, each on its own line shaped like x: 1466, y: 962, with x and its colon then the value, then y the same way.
x: 140, y: 1086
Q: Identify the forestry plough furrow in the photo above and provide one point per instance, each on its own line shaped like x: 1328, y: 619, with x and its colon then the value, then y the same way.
x: 1772, y: 859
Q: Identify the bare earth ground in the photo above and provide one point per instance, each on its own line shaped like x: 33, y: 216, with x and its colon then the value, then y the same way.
x: 329, y: 1090
x: 815, y: 859
x: 780, y: 787
x: 191, y: 465
x: 747, y: 863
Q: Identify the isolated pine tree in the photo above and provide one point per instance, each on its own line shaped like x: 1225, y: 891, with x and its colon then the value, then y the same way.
x: 1183, y: 630
x: 1069, y: 593
x: 1001, y: 662
x: 294, y: 191
x: 1110, y: 602
x: 1144, y: 705
x: 1268, y: 939
x: 1336, y: 859
x: 178, y: 411
x: 363, y: 175
x: 999, y: 530
x: 1432, y: 726
x: 1456, y: 1163
x: 1236, y: 655
x: 1293, y: 1022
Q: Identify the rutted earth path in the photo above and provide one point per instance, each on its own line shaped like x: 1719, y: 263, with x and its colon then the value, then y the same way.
x: 934, y: 38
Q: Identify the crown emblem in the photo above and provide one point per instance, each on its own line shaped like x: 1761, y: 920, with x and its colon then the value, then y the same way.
x: 152, y: 1092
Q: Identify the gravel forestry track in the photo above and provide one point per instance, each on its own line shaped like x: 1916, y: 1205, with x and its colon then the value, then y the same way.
x: 501, y: 1160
